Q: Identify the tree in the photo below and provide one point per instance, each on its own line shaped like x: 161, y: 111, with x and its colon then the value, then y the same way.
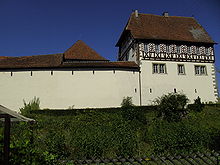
x: 171, y: 107
x: 31, y: 106
x: 128, y: 110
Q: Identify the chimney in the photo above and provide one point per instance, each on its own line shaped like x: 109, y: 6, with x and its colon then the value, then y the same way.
x: 165, y: 14
x: 136, y: 13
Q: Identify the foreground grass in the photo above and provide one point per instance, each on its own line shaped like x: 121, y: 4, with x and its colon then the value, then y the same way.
x: 79, y: 135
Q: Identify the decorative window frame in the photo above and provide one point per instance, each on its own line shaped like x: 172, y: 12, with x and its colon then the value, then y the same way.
x: 159, y: 68
x: 200, y: 70
x: 151, y: 47
x: 183, y: 69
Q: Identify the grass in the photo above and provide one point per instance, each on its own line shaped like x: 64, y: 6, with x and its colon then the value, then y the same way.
x: 64, y: 127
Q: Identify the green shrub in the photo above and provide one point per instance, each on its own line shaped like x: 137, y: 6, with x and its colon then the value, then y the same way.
x: 178, y: 137
x: 24, y: 150
x: 31, y: 106
x: 67, y: 135
x: 101, y: 135
x: 171, y: 107
x: 197, y: 106
x: 131, y: 112
x: 1, y: 142
x: 127, y: 108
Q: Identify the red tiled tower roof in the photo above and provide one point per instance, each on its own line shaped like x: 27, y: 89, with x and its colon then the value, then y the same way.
x: 172, y: 28
x: 81, y: 51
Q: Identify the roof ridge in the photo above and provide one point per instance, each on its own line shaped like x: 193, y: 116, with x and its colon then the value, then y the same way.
x: 81, y: 51
x: 164, y: 16
x: 31, y: 55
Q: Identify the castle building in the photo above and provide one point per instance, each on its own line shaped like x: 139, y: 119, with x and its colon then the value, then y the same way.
x: 157, y: 55
x: 175, y: 54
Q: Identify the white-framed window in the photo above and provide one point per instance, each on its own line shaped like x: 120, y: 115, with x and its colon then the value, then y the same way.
x: 200, y: 70
x: 210, y: 51
x: 162, y: 48
x: 157, y: 48
x: 202, y: 50
x: 193, y: 49
x: 181, y: 69
x: 151, y: 47
x: 146, y: 47
x: 159, y: 68
x: 178, y: 49
x: 183, y: 49
x: 172, y: 48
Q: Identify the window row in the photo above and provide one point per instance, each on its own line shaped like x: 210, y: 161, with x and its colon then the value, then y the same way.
x: 160, y: 68
x: 172, y: 48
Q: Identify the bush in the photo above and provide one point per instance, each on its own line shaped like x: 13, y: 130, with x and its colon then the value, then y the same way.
x: 68, y: 135
x: 197, y: 106
x: 31, y: 106
x: 1, y: 143
x: 85, y: 135
x: 178, y: 137
x: 23, y: 150
x: 127, y: 108
x: 130, y: 112
x: 171, y: 107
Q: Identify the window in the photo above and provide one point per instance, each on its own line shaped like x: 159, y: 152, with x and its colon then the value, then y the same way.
x: 210, y: 51
x: 183, y: 49
x: 151, y: 47
x: 159, y: 68
x: 200, y: 70
x: 157, y: 48
x: 178, y: 49
x: 172, y: 48
x: 193, y: 49
x: 202, y: 50
x: 146, y: 47
x: 181, y: 69
x: 162, y: 48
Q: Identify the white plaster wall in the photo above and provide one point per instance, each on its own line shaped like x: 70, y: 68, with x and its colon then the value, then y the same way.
x: 165, y: 83
x: 131, y: 55
x: 61, y: 90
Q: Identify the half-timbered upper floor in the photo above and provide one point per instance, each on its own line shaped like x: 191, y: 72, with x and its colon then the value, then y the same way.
x: 176, y: 52
x: 172, y: 38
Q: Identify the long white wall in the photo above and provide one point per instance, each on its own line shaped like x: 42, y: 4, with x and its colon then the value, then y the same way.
x: 104, y: 88
x: 190, y: 84
x: 83, y: 89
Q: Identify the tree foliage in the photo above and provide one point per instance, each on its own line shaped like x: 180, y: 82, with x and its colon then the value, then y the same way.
x: 31, y: 106
x: 171, y: 107
x: 197, y: 106
x: 108, y: 134
x: 178, y: 137
x: 127, y: 108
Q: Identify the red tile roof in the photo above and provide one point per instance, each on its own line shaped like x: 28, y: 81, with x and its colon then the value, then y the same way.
x: 114, y: 65
x: 3, y: 57
x: 56, y: 61
x: 81, y: 51
x: 174, y: 28
x: 38, y: 61
x: 78, y: 56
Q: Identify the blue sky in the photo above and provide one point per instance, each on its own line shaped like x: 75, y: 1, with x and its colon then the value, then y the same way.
x: 32, y: 27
